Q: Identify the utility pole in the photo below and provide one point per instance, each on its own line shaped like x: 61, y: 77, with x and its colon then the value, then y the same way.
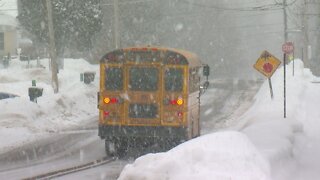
x: 116, y: 23
x: 284, y: 55
x: 52, y: 46
x: 285, y: 21
x: 305, y: 33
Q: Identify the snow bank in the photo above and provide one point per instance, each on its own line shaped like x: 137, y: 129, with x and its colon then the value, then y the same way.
x: 74, y: 103
x: 223, y: 155
x: 264, y: 123
x: 285, y: 142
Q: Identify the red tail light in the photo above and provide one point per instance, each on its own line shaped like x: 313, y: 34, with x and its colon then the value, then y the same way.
x: 178, y: 101
x: 112, y: 100
x: 173, y: 102
x: 106, y: 113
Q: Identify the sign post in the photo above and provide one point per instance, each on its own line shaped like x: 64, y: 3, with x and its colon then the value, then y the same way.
x: 287, y: 48
x: 267, y: 65
x: 284, y: 86
x: 19, y: 53
x: 293, y: 64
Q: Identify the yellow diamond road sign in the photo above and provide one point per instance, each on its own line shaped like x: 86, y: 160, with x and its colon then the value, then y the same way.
x: 267, y: 64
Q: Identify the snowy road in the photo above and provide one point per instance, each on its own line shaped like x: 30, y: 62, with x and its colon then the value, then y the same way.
x: 219, y: 105
x: 55, y: 152
x: 225, y: 102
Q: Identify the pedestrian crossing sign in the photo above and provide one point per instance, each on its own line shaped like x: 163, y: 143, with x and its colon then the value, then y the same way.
x: 267, y: 64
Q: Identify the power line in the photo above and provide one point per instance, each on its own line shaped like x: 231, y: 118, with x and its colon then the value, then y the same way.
x: 267, y: 7
x: 257, y: 14
x: 263, y: 33
x: 308, y: 14
x: 292, y: 18
x: 8, y: 9
x: 252, y: 2
x: 247, y: 26
x: 290, y: 4
x: 131, y: 2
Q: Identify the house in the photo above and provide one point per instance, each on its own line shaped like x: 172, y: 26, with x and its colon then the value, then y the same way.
x: 8, y: 35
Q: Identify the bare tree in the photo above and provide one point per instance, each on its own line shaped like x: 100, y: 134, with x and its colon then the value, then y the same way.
x: 53, y: 54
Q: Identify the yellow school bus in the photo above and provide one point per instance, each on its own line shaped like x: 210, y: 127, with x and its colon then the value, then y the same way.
x: 149, y: 94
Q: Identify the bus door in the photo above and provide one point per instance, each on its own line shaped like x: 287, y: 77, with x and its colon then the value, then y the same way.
x: 174, y: 88
x: 143, y: 94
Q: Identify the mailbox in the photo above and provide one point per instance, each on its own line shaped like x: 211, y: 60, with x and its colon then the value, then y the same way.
x: 34, y: 93
x: 88, y: 77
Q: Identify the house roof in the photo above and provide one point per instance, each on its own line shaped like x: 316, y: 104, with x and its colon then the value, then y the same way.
x: 9, y: 7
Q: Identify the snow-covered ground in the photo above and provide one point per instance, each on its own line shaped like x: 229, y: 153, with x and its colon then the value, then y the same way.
x: 23, y: 121
x: 261, y: 145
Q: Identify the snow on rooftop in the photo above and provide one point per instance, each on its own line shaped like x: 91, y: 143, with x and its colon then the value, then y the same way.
x: 7, y: 20
x: 9, y: 7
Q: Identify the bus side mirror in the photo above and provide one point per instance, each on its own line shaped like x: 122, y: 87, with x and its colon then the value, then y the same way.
x: 204, y: 87
x: 206, y: 70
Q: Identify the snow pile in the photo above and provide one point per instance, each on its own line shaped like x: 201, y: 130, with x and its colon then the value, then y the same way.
x: 291, y: 144
x: 265, y: 124
x: 224, y: 155
x: 23, y: 120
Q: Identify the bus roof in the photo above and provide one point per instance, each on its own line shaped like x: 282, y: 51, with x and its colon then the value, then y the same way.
x: 168, y: 55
